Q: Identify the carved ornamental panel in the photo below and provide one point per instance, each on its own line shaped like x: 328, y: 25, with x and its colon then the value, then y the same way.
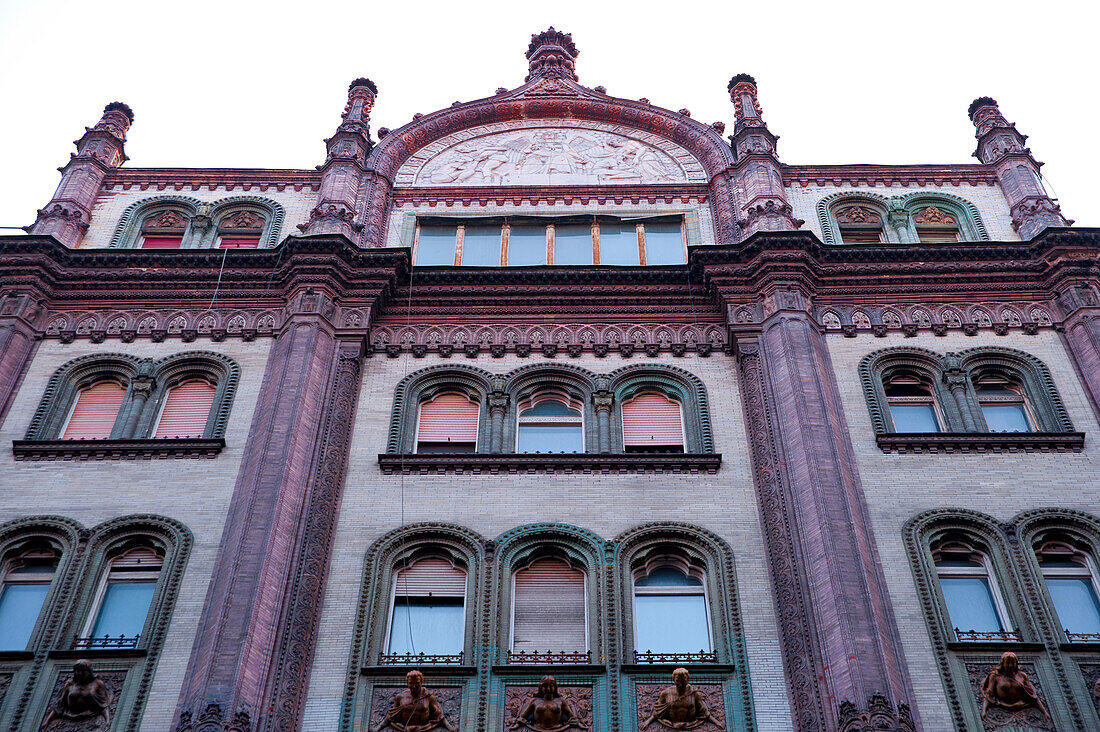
x: 449, y: 698
x: 649, y: 704
x: 535, y: 153
x: 578, y: 699
x: 1026, y: 720
x: 113, y: 680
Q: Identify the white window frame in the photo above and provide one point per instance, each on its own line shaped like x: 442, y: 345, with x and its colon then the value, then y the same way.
x: 520, y: 420
x: 1088, y: 569
x: 1014, y: 385
x: 671, y: 591
x: 512, y: 624
x: 683, y: 417
x: 416, y: 429
x: 393, y: 606
x: 994, y: 589
x: 6, y: 580
x: 81, y: 390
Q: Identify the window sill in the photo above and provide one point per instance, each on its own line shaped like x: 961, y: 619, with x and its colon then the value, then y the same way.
x: 145, y: 449
x: 581, y: 669
x: 93, y: 653
x: 666, y: 668
x: 395, y: 670
x: 916, y: 442
x: 1006, y: 645
x: 478, y: 463
x: 16, y: 655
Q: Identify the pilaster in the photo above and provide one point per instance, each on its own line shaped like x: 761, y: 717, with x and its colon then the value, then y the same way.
x: 20, y: 316
x: 1080, y: 306
x: 841, y: 647
x: 98, y: 151
x: 292, y: 469
x: 1001, y: 146
x: 757, y: 174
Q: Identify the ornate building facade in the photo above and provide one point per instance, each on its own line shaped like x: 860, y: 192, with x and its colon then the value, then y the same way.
x: 548, y: 396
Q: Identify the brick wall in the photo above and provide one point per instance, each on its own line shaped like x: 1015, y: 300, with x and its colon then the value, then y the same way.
x: 899, y: 487
x: 194, y: 492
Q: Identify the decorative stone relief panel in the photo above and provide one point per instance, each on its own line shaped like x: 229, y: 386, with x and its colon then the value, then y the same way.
x: 5, y: 682
x: 579, y: 699
x: 648, y: 698
x: 1026, y: 720
x: 1091, y: 672
x: 114, y: 681
x: 449, y: 698
x: 564, y: 152
x: 911, y: 319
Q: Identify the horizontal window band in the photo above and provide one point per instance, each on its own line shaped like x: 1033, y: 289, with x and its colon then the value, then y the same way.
x: 466, y: 218
x: 477, y: 463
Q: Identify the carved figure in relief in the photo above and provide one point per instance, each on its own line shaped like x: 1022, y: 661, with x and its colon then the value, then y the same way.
x: 84, y: 697
x: 547, y: 711
x: 415, y: 709
x: 1007, y: 687
x: 680, y: 706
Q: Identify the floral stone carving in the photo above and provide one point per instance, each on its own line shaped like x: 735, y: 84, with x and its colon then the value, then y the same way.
x: 1009, y: 699
x: 549, y: 708
x: 83, y: 701
x: 681, y: 706
x: 414, y: 708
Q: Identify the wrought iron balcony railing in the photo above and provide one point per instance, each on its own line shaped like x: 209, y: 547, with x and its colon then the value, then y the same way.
x: 107, y: 641
x: 549, y: 658
x: 700, y: 657
x: 421, y: 659
x: 988, y: 636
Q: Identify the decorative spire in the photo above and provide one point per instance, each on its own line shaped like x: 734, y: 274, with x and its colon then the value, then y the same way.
x: 746, y: 107
x: 1003, y: 148
x: 117, y: 118
x: 361, y: 95
x: 551, y: 56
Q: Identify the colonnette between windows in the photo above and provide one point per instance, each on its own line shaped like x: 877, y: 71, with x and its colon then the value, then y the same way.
x: 108, y: 591
x: 519, y: 241
x: 551, y: 409
x: 1030, y: 586
x: 183, y: 222
x: 858, y: 217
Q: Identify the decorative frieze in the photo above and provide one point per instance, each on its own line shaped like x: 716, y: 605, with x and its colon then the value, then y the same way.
x: 909, y: 319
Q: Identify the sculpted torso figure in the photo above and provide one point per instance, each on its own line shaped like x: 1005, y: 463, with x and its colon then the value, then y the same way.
x: 1007, y: 687
x: 547, y: 712
x: 680, y: 706
x: 415, y: 709
x: 83, y: 697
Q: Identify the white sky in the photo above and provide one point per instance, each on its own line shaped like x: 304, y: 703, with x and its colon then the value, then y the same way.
x: 260, y: 84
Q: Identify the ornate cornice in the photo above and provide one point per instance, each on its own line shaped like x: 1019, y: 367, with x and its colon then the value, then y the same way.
x: 132, y: 449
x: 969, y: 442
x: 889, y: 175
x: 195, y: 179
x: 568, y: 195
x: 581, y: 463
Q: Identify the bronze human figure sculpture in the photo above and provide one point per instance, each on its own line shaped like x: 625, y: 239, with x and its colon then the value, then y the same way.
x: 415, y: 709
x: 547, y: 711
x: 84, y: 697
x: 680, y: 706
x: 1007, y: 687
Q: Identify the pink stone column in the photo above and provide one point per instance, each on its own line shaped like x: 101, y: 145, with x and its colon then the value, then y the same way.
x: 98, y: 151
x: 20, y: 314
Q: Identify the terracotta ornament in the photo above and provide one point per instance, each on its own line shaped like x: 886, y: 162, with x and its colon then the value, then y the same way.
x: 680, y: 706
x: 83, y: 698
x: 1007, y: 687
x: 416, y: 709
x: 547, y: 711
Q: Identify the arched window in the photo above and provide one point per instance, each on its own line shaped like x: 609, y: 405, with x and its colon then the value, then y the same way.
x: 935, y: 226
x: 94, y: 412
x: 447, y: 424
x: 122, y: 601
x: 549, y: 608
x: 25, y: 580
x: 859, y: 224
x: 428, y: 611
x: 670, y: 609
x: 974, y: 603
x: 550, y: 421
x: 164, y: 229
x: 1003, y: 403
x: 1071, y: 580
x: 186, y: 410
x: 652, y: 422
x: 240, y: 230
x: 912, y: 402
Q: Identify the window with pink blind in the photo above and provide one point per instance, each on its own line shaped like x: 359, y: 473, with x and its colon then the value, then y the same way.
x: 161, y: 242
x: 448, y: 423
x: 239, y: 242
x: 186, y: 410
x: 548, y: 608
x: 652, y: 423
x: 93, y: 416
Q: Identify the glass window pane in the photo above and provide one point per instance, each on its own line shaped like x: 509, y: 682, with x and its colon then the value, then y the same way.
x: 19, y: 608
x: 667, y: 577
x: 1006, y: 418
x: 436, y: 245
x: 970, y: 603
x: 526, y: 245
x: 618, y: 243
x: 671, y: 623
x: 914, y: 418
x: 572, y: 244
x: 664, y: 243
x: 551, y: 408
x: 481, y: 246
x: 550, y: 438
x: 1075, y: 601
x: 123, y: 610
x: 426, y: 625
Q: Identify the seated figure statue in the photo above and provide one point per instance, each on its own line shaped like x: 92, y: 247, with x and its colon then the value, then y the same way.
x: 547, y: 711
x: 1007, y: 687
x: 415, y: 709
x: 680, y: 706
x: 84, y: 697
